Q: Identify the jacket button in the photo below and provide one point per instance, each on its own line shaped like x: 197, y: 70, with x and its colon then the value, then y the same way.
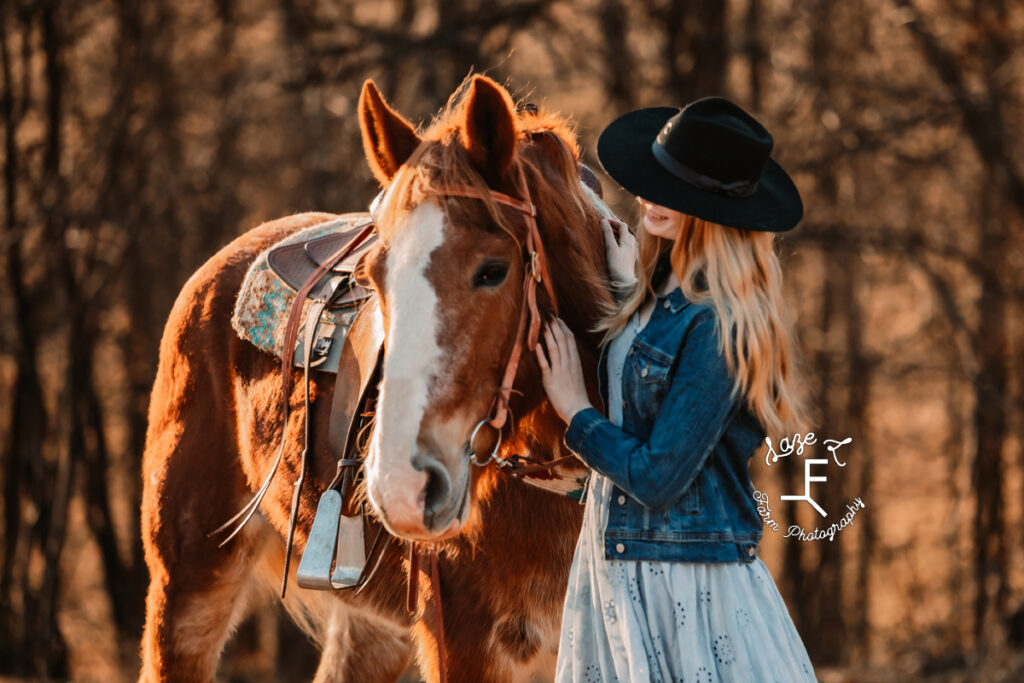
x: 752, y: 550
x: 620, y: 548
x: 667, y: 303
x: 622, y: 500
x: 643, y: 373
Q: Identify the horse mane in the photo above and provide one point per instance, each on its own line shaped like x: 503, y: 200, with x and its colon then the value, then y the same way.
x: 548, y: 153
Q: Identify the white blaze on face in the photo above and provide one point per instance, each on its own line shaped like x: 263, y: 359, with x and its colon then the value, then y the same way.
x: 411, y: 355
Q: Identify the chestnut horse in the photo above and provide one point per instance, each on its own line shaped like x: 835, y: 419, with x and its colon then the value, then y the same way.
x: 448, y: 272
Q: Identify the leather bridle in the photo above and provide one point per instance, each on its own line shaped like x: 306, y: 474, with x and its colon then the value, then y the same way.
x: 535, y: 271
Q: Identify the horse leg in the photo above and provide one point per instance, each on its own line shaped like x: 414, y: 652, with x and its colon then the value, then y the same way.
x: 193, y: 607
x: 357, y: 642
x: 192, y: 483
x: 507, y: 650
x: 194, y: 603
x: 361, y: 646
x: 501, y: 633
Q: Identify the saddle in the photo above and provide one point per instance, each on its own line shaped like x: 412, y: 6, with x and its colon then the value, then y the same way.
x: 295, y: 263
x: 315, y: 315
x: 342, y: 296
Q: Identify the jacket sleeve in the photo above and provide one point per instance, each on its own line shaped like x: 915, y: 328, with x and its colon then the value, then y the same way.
x: 689, y: 423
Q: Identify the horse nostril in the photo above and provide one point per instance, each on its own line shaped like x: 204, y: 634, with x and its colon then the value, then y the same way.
x: 439, y: 484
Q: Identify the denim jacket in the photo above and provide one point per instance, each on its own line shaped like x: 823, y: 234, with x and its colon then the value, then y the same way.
x: 682, y: 488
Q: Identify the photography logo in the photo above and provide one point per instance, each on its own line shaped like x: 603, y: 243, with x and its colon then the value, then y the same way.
x: 795, y: 445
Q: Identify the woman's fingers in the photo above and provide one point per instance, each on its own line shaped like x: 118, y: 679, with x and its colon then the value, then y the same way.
x: 552, y: 346
x: 609, y: 236
x: 569, y: 341
x: 563, y: 338
x: 542, y: 361
x: 566, y: 332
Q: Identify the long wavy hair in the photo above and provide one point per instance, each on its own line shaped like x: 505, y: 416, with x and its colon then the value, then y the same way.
x: 744, y: 286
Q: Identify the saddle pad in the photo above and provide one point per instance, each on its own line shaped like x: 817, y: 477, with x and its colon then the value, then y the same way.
x: 263, y: 301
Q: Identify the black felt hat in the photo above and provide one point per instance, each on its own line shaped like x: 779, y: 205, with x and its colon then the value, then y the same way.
x: 710, y: 159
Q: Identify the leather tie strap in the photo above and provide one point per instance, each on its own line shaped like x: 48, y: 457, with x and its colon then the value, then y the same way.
x: 431, y: 602
x: 412, y: 596
x: 312, y: 322
x: 435, y: 596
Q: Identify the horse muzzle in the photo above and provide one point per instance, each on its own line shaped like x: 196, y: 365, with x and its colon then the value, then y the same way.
x: 424, y: 503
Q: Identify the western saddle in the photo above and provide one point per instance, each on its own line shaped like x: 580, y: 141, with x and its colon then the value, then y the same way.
x: 337, y: 333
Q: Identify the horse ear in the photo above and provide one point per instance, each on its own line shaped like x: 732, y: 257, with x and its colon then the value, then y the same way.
x: 489, y: 128
x: 388, y: 139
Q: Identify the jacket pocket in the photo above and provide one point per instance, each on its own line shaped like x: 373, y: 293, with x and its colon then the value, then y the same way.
x: 690, y: 502
x: 649, y: 368
x: 684, y: 515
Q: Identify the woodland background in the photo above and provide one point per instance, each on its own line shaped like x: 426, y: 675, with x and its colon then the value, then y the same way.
x: 139, y: 137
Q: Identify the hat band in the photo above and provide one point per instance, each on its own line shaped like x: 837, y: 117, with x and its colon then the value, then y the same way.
x: 739, y: 188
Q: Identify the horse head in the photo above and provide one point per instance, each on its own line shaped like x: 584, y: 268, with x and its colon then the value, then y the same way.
x: 449, y: 270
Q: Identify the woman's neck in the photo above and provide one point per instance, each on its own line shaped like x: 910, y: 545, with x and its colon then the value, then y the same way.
x: 669, y: 283
x: 662, y: 269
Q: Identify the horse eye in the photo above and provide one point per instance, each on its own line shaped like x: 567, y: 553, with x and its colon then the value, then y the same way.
x: 490, y: 274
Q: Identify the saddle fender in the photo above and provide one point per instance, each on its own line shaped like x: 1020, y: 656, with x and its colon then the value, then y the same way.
x: 358, y: 371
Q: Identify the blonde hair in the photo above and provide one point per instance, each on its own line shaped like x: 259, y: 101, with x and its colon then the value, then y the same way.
x: 744, y: 287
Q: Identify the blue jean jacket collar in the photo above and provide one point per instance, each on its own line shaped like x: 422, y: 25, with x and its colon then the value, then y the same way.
x: 674, y: 301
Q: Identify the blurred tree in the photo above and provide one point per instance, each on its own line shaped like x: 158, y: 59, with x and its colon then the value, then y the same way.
x: 1000, y: 216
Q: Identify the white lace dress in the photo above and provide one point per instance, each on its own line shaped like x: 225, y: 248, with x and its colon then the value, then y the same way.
x: 639, y: 621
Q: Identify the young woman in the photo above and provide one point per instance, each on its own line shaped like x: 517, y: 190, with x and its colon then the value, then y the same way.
x: 666, y: 583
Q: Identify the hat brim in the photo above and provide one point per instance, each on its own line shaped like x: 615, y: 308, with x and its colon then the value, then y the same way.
x: 624, y: 149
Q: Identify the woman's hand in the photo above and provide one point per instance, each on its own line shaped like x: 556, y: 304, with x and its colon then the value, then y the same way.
x: 621, y: 247
x: 561, y: 370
